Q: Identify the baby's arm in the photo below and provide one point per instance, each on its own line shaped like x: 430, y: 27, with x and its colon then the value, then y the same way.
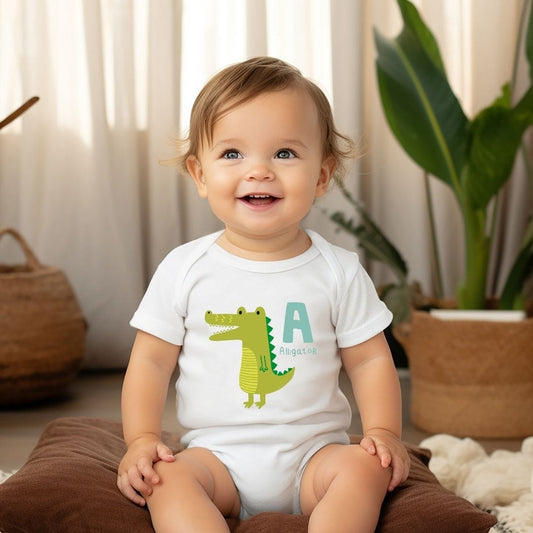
x: 144, y: 395
x: 376, y: 388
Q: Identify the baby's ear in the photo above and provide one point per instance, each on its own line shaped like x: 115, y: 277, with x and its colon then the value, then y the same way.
x: 327, y: 170
x: 195, y: 170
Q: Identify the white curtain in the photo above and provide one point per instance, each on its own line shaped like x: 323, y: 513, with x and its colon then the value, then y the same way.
x: 79, y: 172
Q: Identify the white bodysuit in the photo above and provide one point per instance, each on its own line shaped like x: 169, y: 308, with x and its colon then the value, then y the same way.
x: 259, y: 365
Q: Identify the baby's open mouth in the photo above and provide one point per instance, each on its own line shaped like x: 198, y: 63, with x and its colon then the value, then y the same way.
x: 259, y: 199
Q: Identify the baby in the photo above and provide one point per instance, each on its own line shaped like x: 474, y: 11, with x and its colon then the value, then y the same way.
x: 260, y: 318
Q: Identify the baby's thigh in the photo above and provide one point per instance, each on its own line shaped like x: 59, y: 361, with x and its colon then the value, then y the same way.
x: 346, y: 469
x: 197, y: 472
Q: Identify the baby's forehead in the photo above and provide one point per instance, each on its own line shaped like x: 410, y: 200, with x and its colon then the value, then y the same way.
x: 264, y: 106
x: 225, y: 102
x: 239, y: 96
x: 236, y: 101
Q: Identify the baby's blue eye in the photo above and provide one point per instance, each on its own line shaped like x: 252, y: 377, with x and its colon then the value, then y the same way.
x: 231, y: 154
x: 285, y: 153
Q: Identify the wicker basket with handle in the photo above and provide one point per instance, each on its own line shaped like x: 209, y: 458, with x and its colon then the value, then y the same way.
x: 42, y: 330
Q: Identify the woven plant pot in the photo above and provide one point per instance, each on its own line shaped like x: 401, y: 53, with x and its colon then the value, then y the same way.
x: 471, y: 378
x: 42, y: 330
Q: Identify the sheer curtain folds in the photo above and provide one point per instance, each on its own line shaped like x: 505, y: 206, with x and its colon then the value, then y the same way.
x: 80, y: 174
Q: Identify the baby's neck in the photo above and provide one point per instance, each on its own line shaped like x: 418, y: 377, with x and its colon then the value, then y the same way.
x: 271, y: 249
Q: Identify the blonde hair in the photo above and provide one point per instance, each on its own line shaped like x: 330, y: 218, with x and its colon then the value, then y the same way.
x: 239, y: 83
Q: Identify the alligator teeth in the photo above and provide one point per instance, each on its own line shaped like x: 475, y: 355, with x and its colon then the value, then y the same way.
x: 221, y: 328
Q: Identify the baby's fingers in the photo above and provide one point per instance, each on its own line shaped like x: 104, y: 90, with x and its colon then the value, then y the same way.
x: 142, y: 476
x: 368, y: 445
x: 164, y: 453
x: 128, y: 491
x: 400, y: 471
x: 397, y: 477
x: 148, y: 476
x: 384, y: 454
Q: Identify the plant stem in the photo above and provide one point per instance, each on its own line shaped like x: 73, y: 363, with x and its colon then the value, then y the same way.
x: 494, y: 218
x: 527, y: 163
x: 471, y: 292
x: 434, y: 243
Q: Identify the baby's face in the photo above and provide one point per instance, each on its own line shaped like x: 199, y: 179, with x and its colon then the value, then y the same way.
x: 264, y: 167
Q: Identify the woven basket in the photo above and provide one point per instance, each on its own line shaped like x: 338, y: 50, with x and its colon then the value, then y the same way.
x: 42, y: 330
x: 471, y: 378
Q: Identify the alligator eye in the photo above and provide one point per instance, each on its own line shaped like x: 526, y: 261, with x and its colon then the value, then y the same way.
x: 241, y: 311
x: 257, y: 312
x: 208, y: 312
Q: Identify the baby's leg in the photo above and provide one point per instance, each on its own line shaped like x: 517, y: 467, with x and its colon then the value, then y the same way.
x: 195, y: 493
x: 342, y: 489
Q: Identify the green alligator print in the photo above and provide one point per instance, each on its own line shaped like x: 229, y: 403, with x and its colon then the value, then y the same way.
x: 258, y: 373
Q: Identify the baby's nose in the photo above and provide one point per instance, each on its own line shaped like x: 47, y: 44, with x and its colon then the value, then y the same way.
x: 260, y: 172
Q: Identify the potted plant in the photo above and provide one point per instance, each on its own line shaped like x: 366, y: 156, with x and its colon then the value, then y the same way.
x: 475, y: 378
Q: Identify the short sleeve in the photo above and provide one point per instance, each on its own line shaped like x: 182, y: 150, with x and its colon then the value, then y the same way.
x: 361, y: 314
x: 157, y: 313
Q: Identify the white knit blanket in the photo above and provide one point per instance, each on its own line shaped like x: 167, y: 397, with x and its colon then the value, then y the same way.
x: 501, y: 482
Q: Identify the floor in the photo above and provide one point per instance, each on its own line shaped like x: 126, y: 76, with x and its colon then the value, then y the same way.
x: 97, y: 394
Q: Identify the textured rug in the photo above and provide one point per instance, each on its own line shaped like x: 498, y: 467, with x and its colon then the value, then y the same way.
x: 501, y: 482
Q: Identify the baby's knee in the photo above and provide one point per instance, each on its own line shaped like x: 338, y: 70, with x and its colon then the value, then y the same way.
x: 353, y: 456
x: 164, y: 469
x: 355, y: 461
x: 185, y: 467
x: 345, y: 477
x: 349, y: 462
x: 197, y: 472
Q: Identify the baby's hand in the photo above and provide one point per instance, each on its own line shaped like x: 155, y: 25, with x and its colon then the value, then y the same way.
x: 135, y: 472
x: 391, y: 452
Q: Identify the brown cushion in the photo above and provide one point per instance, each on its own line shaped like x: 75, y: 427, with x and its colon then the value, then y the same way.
x: 68, y: 485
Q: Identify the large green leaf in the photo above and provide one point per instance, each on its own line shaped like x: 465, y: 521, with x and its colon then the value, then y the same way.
x: 423, y: 34
x: 521, y: 272
x: 419, y: 104
x: 496, y: 135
